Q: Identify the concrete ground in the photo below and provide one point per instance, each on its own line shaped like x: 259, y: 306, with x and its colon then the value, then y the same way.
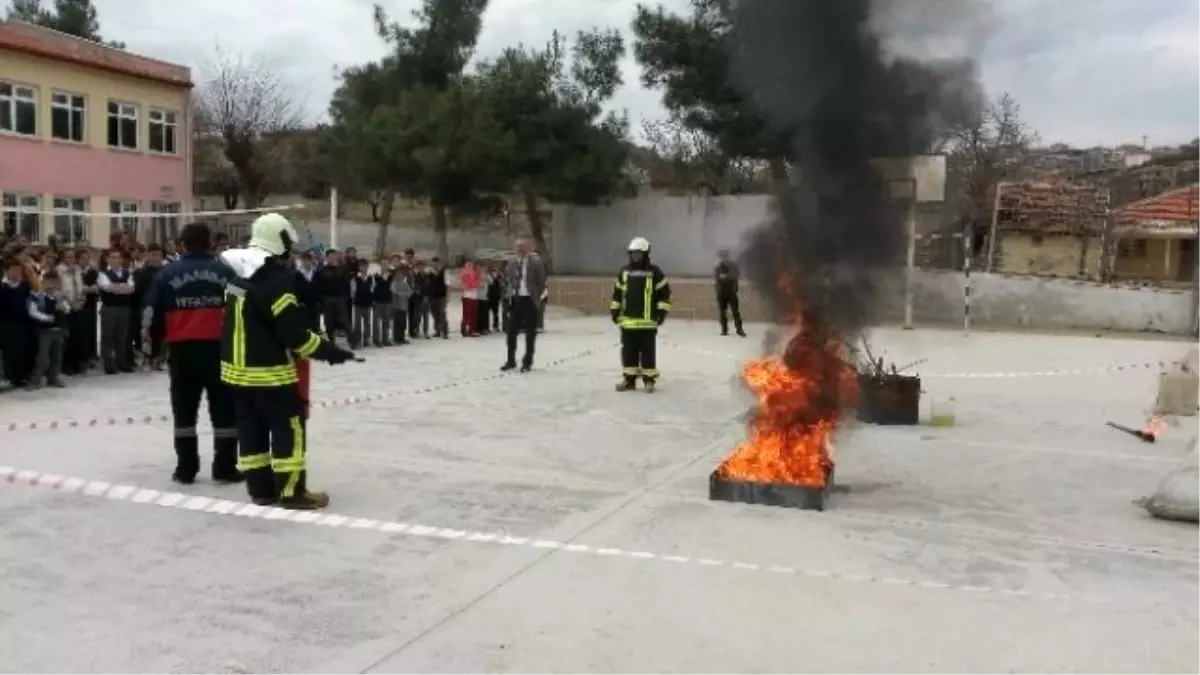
x: 544, y: 522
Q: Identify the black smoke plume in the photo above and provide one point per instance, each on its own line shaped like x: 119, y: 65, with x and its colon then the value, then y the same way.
x: 827, y: 77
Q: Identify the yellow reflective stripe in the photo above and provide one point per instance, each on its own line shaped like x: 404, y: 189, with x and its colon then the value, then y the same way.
x: 614, y: 305
x: 266, y: 376
x: 310, y: 345
x: 647, y: 300
x: 259, y: 460
x: 629, y: 322
x: 623, y: 284
x: 630, y: 371
x: 665, y: 306
x: 289, y: 487
x: 293, y: 465
x: 239, y: 332
x: 650, y: 372
x: 286, y: 300
x: 660, y: 284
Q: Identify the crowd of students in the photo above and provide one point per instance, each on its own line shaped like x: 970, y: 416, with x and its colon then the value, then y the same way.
x: 398, y: 299
x: 65, y: 311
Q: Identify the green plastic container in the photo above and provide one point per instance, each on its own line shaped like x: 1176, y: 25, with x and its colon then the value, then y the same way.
x: 941, y: 412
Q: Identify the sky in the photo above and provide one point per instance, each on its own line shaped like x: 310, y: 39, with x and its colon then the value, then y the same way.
x: 1085, y: 72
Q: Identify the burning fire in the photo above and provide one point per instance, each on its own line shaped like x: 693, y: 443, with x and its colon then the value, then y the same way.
x: 801, y: 396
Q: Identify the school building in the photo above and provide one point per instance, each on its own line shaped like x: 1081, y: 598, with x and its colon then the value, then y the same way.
x: 89, y: 129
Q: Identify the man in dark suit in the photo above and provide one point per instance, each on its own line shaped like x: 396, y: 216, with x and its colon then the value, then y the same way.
x: 526, y: 276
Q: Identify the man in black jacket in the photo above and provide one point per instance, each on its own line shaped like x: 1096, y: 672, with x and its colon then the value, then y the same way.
x: 143, y: 280
x: 308, y: 291
x: 333, y: 284
x: 437, y: 290
x: 726, y: 277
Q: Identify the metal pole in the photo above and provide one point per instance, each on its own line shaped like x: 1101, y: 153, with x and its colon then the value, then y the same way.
x: 991, y: 253
x: 333, y: 217
x: 968, y: 249
x: 911, y: 263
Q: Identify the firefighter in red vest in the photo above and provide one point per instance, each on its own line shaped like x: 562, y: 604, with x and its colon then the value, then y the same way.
x: 185, y: 307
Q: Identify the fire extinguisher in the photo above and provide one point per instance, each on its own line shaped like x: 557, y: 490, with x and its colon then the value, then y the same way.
x: 304, y: 374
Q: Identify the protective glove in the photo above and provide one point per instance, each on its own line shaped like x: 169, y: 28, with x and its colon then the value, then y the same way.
x: 616, y: 316
x: 660, y: 317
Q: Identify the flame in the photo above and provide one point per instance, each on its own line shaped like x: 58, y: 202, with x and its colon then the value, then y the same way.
x: 801, y: 395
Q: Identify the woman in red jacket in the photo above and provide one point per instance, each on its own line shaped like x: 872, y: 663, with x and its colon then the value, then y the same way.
x: 471, y: 283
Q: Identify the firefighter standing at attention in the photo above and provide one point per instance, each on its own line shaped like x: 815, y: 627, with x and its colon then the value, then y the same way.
x: 185, y: 307
x: 641, y: 299
x: 265, y: 331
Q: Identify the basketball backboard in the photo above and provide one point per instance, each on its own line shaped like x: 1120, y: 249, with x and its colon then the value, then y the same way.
x: 921, y: 176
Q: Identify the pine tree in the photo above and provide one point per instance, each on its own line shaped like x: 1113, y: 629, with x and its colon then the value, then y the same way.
x: 73, y: 17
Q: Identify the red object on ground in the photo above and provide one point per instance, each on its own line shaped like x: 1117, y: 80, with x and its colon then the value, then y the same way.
x: 304, y: 371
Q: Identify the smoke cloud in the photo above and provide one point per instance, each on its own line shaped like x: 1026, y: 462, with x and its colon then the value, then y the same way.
x: 845, y: 82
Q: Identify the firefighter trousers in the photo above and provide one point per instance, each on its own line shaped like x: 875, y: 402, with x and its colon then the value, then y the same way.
x: 195, y: 371
x: 639, y: 347
x: 271, y: 440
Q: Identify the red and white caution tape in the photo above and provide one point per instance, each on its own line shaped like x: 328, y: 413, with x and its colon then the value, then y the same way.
x: 1095, y: 370
x: 154, y: 420
x: 226, y: 507
x: 1098, y: 370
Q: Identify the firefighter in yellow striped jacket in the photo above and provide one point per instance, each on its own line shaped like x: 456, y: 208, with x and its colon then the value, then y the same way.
x: 641, y: 300
x: 265, y: 331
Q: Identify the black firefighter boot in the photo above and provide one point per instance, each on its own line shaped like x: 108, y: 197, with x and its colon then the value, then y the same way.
x: 648, y: 384
x: 627, y: 383
x: 224, y: 464
x: 187, y: 459
x: 302, y: 498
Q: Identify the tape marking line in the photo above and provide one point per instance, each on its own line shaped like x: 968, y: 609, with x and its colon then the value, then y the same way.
x: 156, y: 420
x: 224, y: 507
x: 1092, y: 370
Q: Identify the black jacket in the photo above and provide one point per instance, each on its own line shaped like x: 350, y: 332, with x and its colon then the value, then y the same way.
x: 309, y: 293
x: 382, y: 293
x: 433, y: 284
x: 14, y: 303
x: 640, y: 296
x: 265, y: 329
x: 333, y: 281
x: 364, y: 288
x: 143, y: 279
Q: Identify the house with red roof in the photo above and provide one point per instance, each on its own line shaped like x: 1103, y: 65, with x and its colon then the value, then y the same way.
x: 1157, y: 236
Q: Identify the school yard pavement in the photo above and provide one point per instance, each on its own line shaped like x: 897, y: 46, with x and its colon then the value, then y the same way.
x: 545, y: 522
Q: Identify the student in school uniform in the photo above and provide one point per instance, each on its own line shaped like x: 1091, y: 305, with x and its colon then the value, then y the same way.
x: 362, y: 288
x: 381, y: 310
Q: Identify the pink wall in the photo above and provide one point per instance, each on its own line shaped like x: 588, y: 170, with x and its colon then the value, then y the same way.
x: 39, y: 166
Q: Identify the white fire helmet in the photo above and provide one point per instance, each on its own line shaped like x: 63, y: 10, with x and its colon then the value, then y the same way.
x: 273, y: 233
x: 639, y: 244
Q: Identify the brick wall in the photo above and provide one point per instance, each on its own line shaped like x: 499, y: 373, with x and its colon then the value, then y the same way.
x: 1052, y: 254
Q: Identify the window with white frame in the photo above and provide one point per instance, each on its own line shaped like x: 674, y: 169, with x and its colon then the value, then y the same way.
x: 18, y: 108
x: 22, y: 216
x: 122, y: 125
x: 166, y: 225
x: 71, y: 220
x: 164, y: 131
x: 124, y: 217
x: 68, y: 115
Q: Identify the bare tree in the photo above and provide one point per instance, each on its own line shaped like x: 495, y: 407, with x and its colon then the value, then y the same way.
x: 245, y: 104
x: 689, y: 159
x: 986, y: 143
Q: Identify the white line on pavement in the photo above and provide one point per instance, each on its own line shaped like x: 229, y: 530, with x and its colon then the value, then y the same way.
x: 224, y: 507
